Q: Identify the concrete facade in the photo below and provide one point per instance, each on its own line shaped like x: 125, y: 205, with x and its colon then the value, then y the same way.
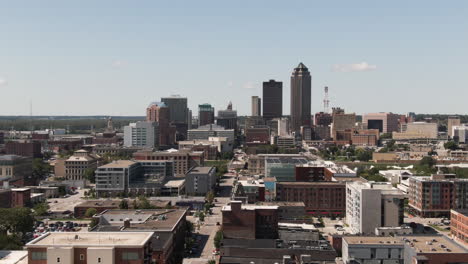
x: 370, y: 205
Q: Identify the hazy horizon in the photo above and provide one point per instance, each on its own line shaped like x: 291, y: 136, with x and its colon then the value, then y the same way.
x: 112, y: 58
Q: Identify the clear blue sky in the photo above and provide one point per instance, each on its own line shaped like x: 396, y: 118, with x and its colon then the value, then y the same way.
x: 113, y: 57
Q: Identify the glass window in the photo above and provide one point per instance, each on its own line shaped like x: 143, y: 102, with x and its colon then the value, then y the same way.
x: 130, y: 256
x: 81, y: 256
x: 39, y: 255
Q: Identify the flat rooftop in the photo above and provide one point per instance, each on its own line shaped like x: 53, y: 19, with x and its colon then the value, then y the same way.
x: 251, y: 207
x: 421, y: 244
x: 13, y: 256
x: 118, y: 164
x: 174, y: 183
x: 151, y: 219
x: 279, y: 203
x: 200, y: 170
x: 92, y: 239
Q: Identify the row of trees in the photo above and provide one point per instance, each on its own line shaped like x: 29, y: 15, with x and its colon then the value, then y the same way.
x: 344, y: 153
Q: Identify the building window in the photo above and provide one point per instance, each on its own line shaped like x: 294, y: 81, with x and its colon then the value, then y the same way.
x: 58, y: 260
x: 39, y: 255
x: 130, y: 256
x: 81, y: 256
x: 99, y: 260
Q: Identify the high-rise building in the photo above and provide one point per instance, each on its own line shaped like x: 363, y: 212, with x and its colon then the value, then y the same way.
x: 451, y: 122
x: 177, y: 108
x: 256, y: 106
x: 160, y: 113
x: 384, y: 122
x: 272, y: 99
x: 178, y: 114
x: 301, y: 95
x: 205, y: 114
x: 227, y: 118
x: 141, y: 134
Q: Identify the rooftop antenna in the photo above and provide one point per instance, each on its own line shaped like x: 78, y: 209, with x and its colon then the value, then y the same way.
x: 326, y: 101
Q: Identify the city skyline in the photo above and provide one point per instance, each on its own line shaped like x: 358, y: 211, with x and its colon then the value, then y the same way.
x: 373, y: 52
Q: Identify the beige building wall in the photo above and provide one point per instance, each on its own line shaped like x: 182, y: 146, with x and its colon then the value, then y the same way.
x: 105, y: 254
x: 451, y: 122
x: 60, y: 255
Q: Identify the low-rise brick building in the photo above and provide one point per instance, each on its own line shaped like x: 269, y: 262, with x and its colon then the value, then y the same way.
x: 90, y: 248
x: 320, y: 198
x: 242, y: 221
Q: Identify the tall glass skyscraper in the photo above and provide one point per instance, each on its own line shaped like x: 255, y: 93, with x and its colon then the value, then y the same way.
x: 301, y: 95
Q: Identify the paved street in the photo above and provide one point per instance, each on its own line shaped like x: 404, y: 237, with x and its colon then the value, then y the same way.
x: 209, y: 228
x: 64, y: 204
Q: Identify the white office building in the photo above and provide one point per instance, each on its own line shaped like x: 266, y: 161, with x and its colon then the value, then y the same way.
x: 460, y: 133
x: 373, y: 204
x: 142, y: 134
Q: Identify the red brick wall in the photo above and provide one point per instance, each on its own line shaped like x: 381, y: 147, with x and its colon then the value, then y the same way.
x: 76, y: 255
x: 31, y: 261
x: 239, y: 225
x: 20, y: 199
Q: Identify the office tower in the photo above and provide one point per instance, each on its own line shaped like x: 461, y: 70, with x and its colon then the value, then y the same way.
x: 451, y: 122
x: 272, y: 99
x: 178, y: 113
x: 256, y: 106
x: 301, y: 95
x: 141, y: 134
x: 384, y: 122
x: 227, y: 118
x: 205, y: 114
x: 160, y: 113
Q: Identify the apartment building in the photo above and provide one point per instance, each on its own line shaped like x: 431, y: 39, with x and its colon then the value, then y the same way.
x: 436, y: 195
x: 373, y: 204
x: 459, y: 225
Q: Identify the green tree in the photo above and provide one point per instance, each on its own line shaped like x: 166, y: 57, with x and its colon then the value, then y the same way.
x: 90, y: 175
x: 218, y: 239
x: 210, y: 197
x: 123, y: 204
x: 40, y: 169
x: 41, y: 209
x: 10, y: 242
x: 452, y: 145
x: 427, y: 161
x: 16, y: 220
x: 143, y: 203
x: 94, y: 222
x: 201, y: 217
x: 90, y: 212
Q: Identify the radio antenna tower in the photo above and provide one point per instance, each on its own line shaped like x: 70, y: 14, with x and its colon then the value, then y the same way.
x: 326, y: 101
